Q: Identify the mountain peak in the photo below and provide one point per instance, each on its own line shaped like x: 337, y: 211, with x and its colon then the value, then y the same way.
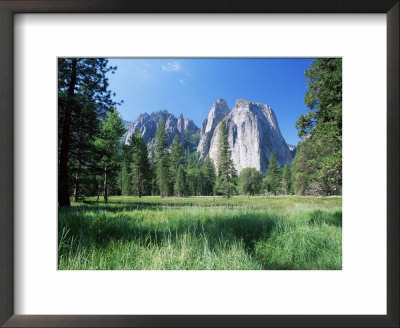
x: 253, y: 134
x: 220, y: 101
x: 242, y: 101
x: 218, y: 111
x: 147, y: 125
x: 220, y: 105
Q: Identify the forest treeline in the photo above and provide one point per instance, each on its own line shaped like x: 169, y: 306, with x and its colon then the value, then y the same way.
x: 94, y: 159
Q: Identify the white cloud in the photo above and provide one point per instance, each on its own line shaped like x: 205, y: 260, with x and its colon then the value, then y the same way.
x: 182, y: 81
x: 172, y: 67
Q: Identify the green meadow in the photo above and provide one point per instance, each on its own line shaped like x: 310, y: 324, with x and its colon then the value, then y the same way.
x: 201, y: 233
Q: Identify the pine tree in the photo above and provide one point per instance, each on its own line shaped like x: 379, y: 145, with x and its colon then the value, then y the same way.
x: 303, y: 169
x: 287, y: 179
x: 209, y: 177
x: 140, y: 167
x: 177, y: 158
x: 126, y: 178
x: 193, y: 181
x: 126, y: 173
x: 154, y: 190
x: 226, y: 171
x: 108, y: 144
x: 83, y: 159
x: 250, y: 181
x: 162, y: 160
x: 322, y: 128
x: 161, y: 141
x: 83, y: 100
x: 163, y: 177
x: 273, y: 175
x: 201, y: 180
x: 180, y: 186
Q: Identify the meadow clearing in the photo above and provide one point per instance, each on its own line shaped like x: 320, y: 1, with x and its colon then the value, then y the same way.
x: 201, y: 233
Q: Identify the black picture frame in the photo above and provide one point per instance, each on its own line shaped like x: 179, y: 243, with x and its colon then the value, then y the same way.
x: 10, y: 7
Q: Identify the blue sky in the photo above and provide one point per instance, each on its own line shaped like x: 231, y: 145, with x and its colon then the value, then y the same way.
x: 190, y: 86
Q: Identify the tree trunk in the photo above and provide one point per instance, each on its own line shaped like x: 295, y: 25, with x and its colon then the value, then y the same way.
x: 105, y: 191
x: 138, y: 186
x: 63, y: 188
x: 76, y: 187
x: 228, y: 191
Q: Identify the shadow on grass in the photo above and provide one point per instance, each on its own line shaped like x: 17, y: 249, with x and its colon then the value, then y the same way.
x: 92, y: 226
x: 78, y: 229
x: 318, y: 217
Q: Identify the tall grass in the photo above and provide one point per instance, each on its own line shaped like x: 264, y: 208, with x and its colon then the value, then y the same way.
x: 199, y: 233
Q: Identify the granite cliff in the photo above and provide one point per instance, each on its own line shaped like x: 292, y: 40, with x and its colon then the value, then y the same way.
x: 253, y: 134
x: 218, y: 112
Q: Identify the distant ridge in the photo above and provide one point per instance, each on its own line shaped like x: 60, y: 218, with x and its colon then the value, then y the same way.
x: 147, y: 124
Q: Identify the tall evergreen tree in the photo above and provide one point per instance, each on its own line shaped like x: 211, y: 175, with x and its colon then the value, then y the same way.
x: 163, y: 177
x: 287, y: 179
x: 322, y: 126
x: 140, y: 167
x: 161, y: 141
x: 273, y: 175
x: 177, y: 158
x: 162, y: 160
x: 126, y: 173
x: 250, y: 181
x: 226, y: 171
x: 83, y: 97
x: 82, y: 162
x: 209, y: 177
x: 180, y: 186
x: 201, y: 180
x: 108, y: 145
x: 303, y: 169
x: 153, y: 173
x: 193, y: 181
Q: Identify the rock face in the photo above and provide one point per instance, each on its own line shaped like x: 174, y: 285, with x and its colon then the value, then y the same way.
x: 253, y: 134
x: 218, y: 112
x: 188, y: 125
x: 147, y: 126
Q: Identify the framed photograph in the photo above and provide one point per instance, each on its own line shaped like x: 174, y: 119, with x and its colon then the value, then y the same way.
x: 207, y: 164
